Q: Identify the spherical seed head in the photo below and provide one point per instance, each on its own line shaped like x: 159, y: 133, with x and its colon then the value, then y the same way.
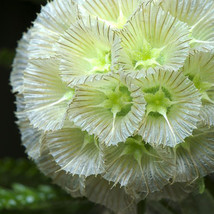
x: 115, y: 98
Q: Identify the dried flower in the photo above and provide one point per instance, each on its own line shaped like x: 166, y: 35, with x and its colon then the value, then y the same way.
x: 115, y: 99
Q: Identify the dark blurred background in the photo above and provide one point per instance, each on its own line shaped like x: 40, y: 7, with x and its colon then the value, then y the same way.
x: 16, y: 16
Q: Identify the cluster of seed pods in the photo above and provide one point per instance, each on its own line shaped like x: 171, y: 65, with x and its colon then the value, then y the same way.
x: 115, y: 98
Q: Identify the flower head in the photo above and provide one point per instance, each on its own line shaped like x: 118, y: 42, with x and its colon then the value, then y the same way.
x: 115, y: 98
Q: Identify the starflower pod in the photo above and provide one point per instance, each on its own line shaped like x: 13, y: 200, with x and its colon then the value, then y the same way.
x: 172, y: 109
x: 198, y: 14
x: 47, y: 98
x: 153, y: 40
x: 88, y: 51
x: 31, y: 138
x: 111, y: 108
x: 113, y: 12
x: 199, y: 68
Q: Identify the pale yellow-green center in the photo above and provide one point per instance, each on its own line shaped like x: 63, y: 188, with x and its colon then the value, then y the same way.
x: 69, y: 95
x: 121, y: 21
x: 202, y: 86
x: 101, y: 63
x: 116, y: 23
x: 158, y: 101
x: 147, y: 56
x: 118, y: 100
x: 136, y: 147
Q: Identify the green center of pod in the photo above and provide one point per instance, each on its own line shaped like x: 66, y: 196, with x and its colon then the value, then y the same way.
x: 89, y: 139
x: 136, y: 147
x: 158, y: 101
x: 117, y: 23
x: 147, y: 56
x: 202, y: 86
x: 101, y: 63
x: 119, y: 100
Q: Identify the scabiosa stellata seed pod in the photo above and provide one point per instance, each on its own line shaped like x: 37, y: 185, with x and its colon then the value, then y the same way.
x: 115, y: 98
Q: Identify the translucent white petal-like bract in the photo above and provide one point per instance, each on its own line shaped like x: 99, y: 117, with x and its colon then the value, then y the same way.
x: 54, y: 19
x: 31, y: 137
x: 138, y: 166
x: 46, y: 96
x: 198, y: 14
x: 173, y: 106
x: 153, y: 39
x: 199, y: 67
x: 195, y: 155
x: 111, y: 108
x: 88, y: 52
x: 75, y: 151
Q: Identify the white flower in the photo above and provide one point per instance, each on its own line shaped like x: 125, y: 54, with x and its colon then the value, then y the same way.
x: 172, y: 110
x: 199, y: 16
x: 111, y: 108
x: 153, y: 40
x: 115, y: 98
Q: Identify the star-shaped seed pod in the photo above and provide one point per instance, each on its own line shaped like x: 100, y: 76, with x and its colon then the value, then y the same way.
x: 199, y: 67
x: 31, y: 138
x: 54, y: 19
x: 172, y: 109
x: 20, y: 63
x: 88, y: 51
x: 199, y: 16
x: 195, y: 155
x: 138, y: 166
x: 75, y: 151
x: 112, y: 196
x: 46, y: 97
x: 111, y: 108
x: 73, y: 184
x: 113, y: 12
x: 153, y: 40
